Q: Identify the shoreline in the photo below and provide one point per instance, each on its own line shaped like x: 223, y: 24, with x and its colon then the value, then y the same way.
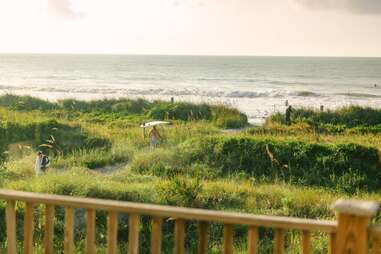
x: 257, y: 109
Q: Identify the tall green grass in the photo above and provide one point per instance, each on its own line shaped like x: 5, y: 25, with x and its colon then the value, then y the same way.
x: 296, y: 170
x: 349, y: 117
x: 222, y: 115
x: 221, y: 194
x: 348, y: 167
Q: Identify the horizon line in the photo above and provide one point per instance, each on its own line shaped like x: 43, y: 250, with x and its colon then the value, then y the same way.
x: 197, y: 55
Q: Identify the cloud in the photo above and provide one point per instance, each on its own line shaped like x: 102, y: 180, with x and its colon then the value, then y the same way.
x: 354, y: 6
x: 63, y: 9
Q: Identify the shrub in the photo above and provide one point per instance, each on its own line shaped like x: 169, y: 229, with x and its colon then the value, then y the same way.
x: 166, y: 163
x: 296, y: 162
x: 75, y: 105
x: 222, y: 116
x: 94, y: 159
x: 229, y: 118
x: 181, y: 192
x: 138, y: 106
x: 352, y: 116
x: 25, y: 103
x: 50, y: 136
x: 110, y: 110
x: 180, y: 111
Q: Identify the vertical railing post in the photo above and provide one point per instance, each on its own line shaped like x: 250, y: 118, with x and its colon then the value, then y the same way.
x: 69, y: 231
x: 49, y: 229
x: 353, y: 221
x: 133, y: 233
x: 156, y: 235
x: 10, y: 220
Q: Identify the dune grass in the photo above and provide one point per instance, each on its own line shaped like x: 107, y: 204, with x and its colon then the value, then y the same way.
x: 296, y: 170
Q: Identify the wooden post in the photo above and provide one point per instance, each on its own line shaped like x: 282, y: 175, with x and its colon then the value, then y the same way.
x: 10, y: 215
x: 112, y: 232
x: 279, y: 241
x: 353, y: 221
x: 49, y: 229
x: 376, y: 245
x: 90, y: 231
x: 252, y: 240
x: 228, y: 239
x: 332, y: 243
x: 156, y: 235
x: 179, y: 236
x: 306, y: 242
x: 69, y: 231
x: 203, y: 237
x: 133, y: 233
x: 28, y: 228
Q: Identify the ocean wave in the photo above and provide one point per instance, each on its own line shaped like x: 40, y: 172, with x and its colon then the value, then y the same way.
x: 242, y: 80
x: 213, y: 93
x: 168, y: 91
x: 307, y: 94
x: 360, y: 95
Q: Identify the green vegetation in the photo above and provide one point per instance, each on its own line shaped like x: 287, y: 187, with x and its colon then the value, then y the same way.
x: 223, y: 116
x: 345, y: 166
x: 97, y: 149
x: 353, y: 119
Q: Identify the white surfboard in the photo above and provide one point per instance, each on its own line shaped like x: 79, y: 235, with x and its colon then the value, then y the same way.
x: 153, y: 123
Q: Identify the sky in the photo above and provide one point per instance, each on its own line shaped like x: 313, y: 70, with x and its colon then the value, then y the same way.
x: 192, y: 27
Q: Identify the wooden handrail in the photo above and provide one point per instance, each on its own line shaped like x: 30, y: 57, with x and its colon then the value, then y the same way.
x: 173, y: 212
x: 349, y: 234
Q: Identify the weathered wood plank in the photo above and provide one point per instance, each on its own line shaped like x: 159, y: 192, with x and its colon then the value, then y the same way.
x: 203, y: 237
x: 156, y: 235
x: 133, y: 233
x: 10, y: 220
x: 112, y: 232
x: 174, y: 212
x: 279, y: 241
x: 306, y: 242
x: 252, y: 240
x: 353, y: 225
x: 90, y: 231
x: 228, y: 239
x: 179, y: 236
x: 69, y: 231
x: 376, y: 245
x: 332, y: 243
x: 49, y: 229
x: 28, y: 228
x: 352, y: 234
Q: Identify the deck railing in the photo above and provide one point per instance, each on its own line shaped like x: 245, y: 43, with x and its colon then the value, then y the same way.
x: 350, y: 234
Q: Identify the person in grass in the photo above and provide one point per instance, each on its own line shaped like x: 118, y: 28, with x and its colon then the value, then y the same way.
x: 41, y: 164
x: 154, y: 136
x: 289, y: 110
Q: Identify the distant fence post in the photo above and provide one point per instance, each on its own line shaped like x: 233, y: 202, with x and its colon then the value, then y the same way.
x: 353, y: 222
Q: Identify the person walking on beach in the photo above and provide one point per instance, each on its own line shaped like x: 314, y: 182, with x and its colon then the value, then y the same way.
x: 154, y: 136
x: 41, y: 164
x: 289, y: 110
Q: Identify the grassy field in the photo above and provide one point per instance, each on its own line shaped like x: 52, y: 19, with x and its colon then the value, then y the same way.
x: 97, y: 149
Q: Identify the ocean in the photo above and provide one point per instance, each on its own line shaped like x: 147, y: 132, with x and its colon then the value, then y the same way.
x: 259, y: 86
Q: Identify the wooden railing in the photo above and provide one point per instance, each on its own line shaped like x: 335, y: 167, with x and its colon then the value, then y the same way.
x: 348, y: 235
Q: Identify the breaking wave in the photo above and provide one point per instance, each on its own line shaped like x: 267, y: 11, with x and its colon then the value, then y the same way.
x: 123, y: 91
x: 182, y: 91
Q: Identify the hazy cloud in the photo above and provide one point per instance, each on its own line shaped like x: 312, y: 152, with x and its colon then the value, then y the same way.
x: 354, y: 6
x: 63, y: 9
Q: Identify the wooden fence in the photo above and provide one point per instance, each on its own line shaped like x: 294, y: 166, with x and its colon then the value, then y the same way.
x: 351, y: 233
